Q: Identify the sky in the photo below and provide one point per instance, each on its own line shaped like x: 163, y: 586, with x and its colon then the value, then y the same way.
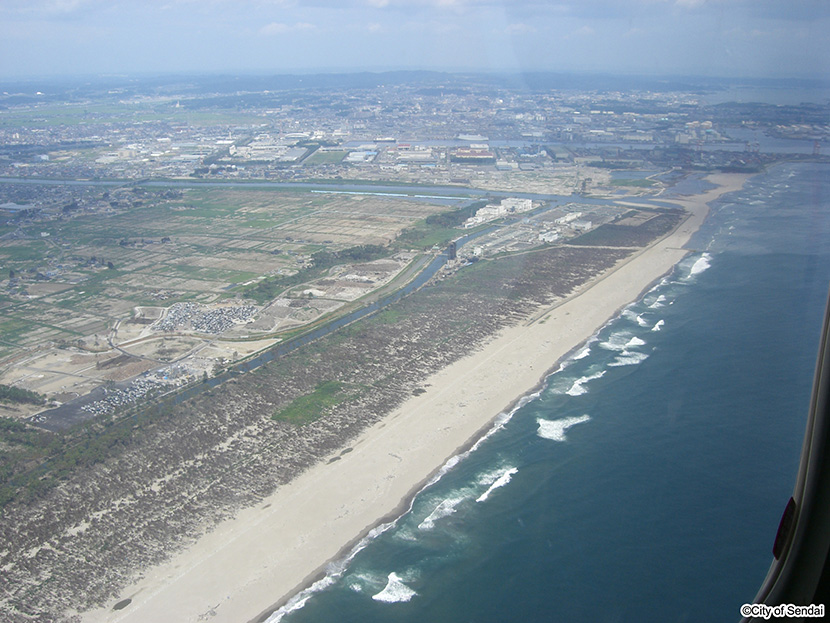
x: 729, y: 38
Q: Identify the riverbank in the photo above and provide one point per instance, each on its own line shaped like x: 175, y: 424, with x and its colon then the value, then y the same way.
x: 266, y: 553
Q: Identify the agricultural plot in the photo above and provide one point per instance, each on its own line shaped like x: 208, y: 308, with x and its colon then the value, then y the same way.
x: 74, y: 283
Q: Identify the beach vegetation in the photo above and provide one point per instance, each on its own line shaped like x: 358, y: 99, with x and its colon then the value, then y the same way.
x: 309, y: 407
x: 388, y: 316
x: 619, y: 235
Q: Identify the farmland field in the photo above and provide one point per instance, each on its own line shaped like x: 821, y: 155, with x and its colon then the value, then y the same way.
x: 73, y: 281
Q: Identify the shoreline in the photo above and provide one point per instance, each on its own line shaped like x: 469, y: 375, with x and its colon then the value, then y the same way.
x: 271, y: 552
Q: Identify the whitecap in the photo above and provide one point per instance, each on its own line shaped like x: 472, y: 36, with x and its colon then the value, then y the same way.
x: 634, y: 341
x: 395, y: 591
x: 702, y: 263
x: 502, y: 480
x: 578, y: 387
x: 628, y: 359
x: 334, y: 572
x: 560, y: 386
x: 365, y: 582
x: 658, y: 302
x: 634, y: 317
x: 444, y: 509
x: 299, y: 600
x: 555, y: 429
x: 658, y: 325
x: 582, y: 354
x: 616, y: 341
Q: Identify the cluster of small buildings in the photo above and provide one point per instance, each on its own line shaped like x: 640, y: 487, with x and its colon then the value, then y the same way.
x: 265, y: 147
x: 408, y: 132
x: 137, y: 390
x: 140, y: 388
x: 194, y: 317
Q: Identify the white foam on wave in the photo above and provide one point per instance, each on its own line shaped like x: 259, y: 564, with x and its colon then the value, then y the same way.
x: 578, y: 387
x: 702, y: 263
x: 444, y: 509
x: 616, y: 341
x: 395, y: 591
x: 336, y: 569
x: 627, y: 358
x: 334, y: 572
x: 299, y: 600
x: 658, y: 302
x: 555, y: 429
x: 634, y: 341
x: 658, y: 325
x: 502, y: 480
x: 635, y: 317
x: 582, y: 354
x: 363, y: 582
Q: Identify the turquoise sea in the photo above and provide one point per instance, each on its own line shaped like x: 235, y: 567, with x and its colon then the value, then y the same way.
x: 646, y: 481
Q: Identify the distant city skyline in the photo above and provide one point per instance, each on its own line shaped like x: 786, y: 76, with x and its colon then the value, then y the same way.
x: 727, y: 38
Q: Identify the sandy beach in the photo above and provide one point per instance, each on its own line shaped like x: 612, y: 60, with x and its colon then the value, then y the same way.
x: 248, y: 565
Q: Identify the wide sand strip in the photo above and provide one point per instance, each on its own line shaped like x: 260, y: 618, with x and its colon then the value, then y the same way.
x: 267, y: 553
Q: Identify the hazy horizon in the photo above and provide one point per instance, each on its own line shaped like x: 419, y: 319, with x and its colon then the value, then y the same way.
x: 740, y: 38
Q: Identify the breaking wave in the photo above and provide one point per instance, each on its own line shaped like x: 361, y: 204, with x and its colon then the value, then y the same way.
x: 628, y: 359
x: 555, y: 429
x: 635, y: 317
x: 582, y: 353
x: 702, y: 263
x: 444, y: 509
x: 502, y: 480
x: 658, y: 302
x: 578, y: 387
x: 395, y: 591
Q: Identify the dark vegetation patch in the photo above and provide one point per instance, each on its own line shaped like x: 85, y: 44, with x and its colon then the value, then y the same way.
x: 309, y: 407
x: 614, y: 235
x: 437, y: 229
x: 272, y: 287
x: 119, y: 360
x: 17, y: 395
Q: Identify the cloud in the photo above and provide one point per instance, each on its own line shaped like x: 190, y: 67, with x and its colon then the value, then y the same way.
x: 520, y: 29
x: 49, y: 9
x: 278, y: 28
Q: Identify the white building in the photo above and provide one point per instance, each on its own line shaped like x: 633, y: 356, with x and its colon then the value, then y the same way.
x: 514, y: 204
x: 511, y: 205
x: 562, y: 220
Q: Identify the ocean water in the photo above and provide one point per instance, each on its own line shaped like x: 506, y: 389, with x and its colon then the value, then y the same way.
x: 645, y: 482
